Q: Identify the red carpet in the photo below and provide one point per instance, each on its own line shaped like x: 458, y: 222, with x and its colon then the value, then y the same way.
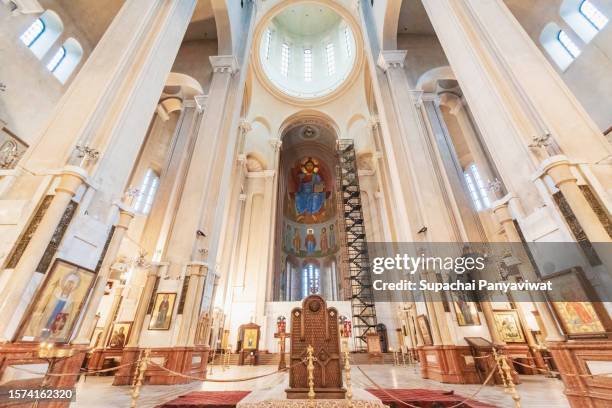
x: 424, y: 398
x: 207, y: 399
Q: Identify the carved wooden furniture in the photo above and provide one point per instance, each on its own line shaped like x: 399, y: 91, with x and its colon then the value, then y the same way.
x: 316, y: 325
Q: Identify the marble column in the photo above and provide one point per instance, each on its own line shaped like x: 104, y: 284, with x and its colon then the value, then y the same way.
x: 153, y: 274
x: 70, y: 181
x: 502, y: 213
x: 264, y: 273
x: 161, y: 217
x: 190, y: 240
x: 125, y: 217
x: 422, y: 182
x: 189, y: 319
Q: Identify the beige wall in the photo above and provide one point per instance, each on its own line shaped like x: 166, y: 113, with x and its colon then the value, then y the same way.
x: 424, y: 53
x: 31, y: 90
x: 589, y: 77
x: 193, y: 60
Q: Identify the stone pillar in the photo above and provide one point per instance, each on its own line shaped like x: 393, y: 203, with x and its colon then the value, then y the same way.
x: 487, y: 310
x: 265, y: 273
x: 96, y: 294
x: 413, y: 152
x: 196, y: 271
x: 70, y: 180
x: 108, y: 324
x: 161, y: 217
x: 143, y: 303
x: 502, y: 213
x: 189, y: 240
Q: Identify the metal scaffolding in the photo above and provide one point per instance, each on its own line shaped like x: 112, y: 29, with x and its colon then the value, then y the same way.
x: 356, y: 255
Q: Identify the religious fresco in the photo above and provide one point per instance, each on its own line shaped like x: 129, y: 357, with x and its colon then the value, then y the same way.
x: 310, y: 240
x: 309, y: 192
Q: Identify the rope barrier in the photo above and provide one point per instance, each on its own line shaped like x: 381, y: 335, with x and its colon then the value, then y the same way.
x: 214, y: 380
x: 559, y: 373
x: 81, y: 371
x: 384, y: 391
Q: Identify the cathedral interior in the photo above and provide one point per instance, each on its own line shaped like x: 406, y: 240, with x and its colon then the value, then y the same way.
x: 193, y: 194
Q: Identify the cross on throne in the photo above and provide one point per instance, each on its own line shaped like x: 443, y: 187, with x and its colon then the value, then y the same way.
x: 281, y: 335
x: 316, y: 325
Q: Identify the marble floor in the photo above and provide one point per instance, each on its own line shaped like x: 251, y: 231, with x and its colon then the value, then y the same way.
x: 535, y: 391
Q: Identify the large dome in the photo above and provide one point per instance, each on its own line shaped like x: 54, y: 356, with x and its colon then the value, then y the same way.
x: 307, y: 50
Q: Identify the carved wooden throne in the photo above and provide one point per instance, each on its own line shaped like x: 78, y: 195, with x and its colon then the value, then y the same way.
x: 316, y: 325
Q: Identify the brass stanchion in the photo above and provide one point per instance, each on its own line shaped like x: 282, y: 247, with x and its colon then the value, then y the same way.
x: 310, y: 369
x: 347, y: 370
x: 505, y: 373
x: 226, y: 357
x: 140, y: 372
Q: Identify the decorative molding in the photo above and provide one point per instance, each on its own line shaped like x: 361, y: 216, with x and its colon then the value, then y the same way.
x: 245, y: 126
x: 224, y: 64
x: 391, y: 59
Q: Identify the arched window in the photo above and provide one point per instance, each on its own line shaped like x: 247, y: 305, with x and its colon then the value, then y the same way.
x: 307, y: 65
x: 285, y: 55
x: 592, y: 14
x: 331, y: 59
x: 33, y: 33
x: 57, y: 59
x: 585, y: 19
x: 347, y: 41
x: 65, y: 59
x: 310, y: 280
x: 268, y: 43
x: 559, y: 45
x: 42, y: 33
x: 476, y: 187
x: 567, y: 43
x: 147, y: 192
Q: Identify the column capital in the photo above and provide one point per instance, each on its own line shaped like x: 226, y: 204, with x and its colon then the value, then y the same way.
x: 224, y: 63
x: 197, y: 268
x: 558, y: 168
x: 276, y: 144
x: 200, y: 102
x: 391, y: 59
x: 374, y: 121
x: 125, y: 217
x: 245, y: 126
x: 502, y: 212
x: 430, y: 97
x: 71, y: 179
x: 156, y: 268
x: 417, y: 96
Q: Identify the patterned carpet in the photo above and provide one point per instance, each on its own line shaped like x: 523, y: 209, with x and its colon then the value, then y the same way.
x: 424, y: 398
x: 207, y: 399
